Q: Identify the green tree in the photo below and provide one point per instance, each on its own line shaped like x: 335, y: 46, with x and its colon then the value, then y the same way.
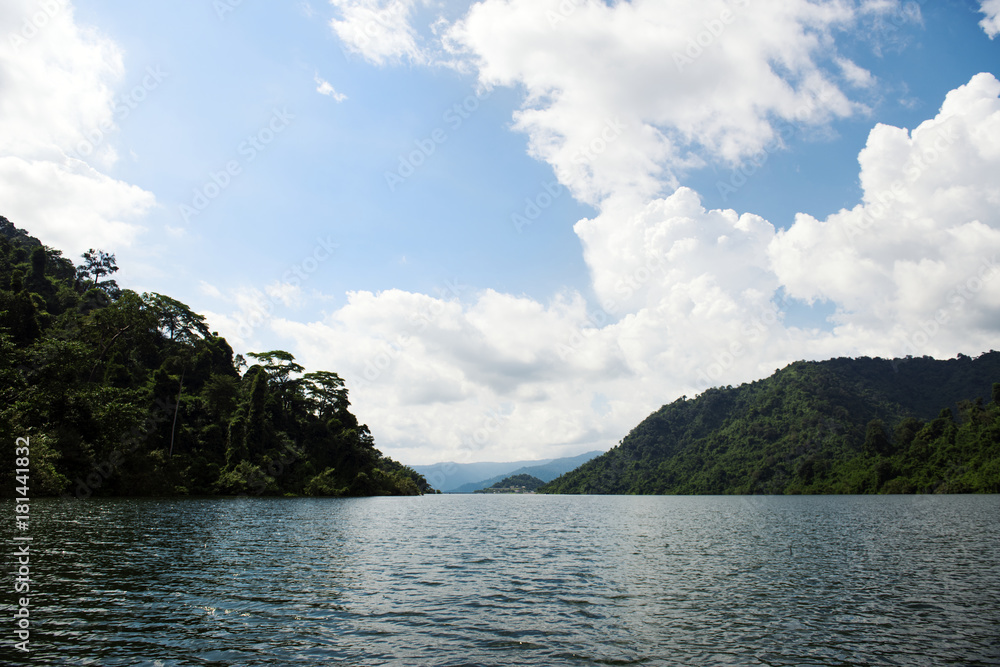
x: 327, y: 394
x: 98, y: 264
x: 252, y: 426
x: 176, y: 319
x: 876, y: 441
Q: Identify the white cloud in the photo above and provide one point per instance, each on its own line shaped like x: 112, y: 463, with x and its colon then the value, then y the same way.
x: 208, y: 289
x: 436, y: 378
x: 71, y: 206
x: 378, y: 30
x: 724, y: 72
x: 323, y: 87
x: 289, y: 294
x: 855, y: 75
x: 928, y: 224
x: 56, y: 79
x: 56, y: 94
x: 990, y: 24
x: 879, y: 6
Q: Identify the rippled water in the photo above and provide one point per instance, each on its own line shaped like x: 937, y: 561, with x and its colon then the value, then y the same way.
x: 516, y: 580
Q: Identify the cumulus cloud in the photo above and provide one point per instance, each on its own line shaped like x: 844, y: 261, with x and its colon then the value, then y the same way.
x: 926, y: 232
x: 625, y: 97
x: 56, y: 95
x: 440, y: 378
x: 990, y: 24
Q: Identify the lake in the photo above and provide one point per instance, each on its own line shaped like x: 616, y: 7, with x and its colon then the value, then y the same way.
x: 515, y: 580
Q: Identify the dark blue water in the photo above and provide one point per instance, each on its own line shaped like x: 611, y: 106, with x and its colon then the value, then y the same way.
x: 516, y: 580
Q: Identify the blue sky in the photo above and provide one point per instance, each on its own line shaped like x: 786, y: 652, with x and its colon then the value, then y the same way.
x: 518, y: 227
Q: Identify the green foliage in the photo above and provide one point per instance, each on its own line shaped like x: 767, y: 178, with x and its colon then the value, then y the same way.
x: 816, y: 427
x: 98, y: 264
x: 325, y: 484
x: 122, y: 394
x: 876, y: 441
x: 523, y: 482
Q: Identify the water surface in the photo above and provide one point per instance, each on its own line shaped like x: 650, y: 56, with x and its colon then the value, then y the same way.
x: 517, y: 580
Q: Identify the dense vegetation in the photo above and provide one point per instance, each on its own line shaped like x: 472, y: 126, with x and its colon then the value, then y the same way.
x: 839, y: 426
x: 521, y: 482
x: 128, y: 394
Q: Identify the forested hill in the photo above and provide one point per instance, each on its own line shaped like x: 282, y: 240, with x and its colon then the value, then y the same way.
x: 119, y: 393
x: 522, y: 481
x: 839, y: 426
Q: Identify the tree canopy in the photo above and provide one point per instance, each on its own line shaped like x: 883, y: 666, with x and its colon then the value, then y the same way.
x: 817, y: 427
x: 128, y: 394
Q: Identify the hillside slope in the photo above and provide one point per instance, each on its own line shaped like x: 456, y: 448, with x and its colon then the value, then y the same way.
x: 815, y: 427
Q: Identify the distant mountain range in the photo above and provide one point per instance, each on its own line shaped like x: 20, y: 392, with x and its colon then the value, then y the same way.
x: 914, y: 425
x: 470, y: 477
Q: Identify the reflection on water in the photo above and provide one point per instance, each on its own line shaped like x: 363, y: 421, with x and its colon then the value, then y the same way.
x: 505, y: 580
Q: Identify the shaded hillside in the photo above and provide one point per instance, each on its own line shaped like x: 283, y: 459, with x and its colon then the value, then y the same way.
x: 816, y: 427
x: 119, y: 393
